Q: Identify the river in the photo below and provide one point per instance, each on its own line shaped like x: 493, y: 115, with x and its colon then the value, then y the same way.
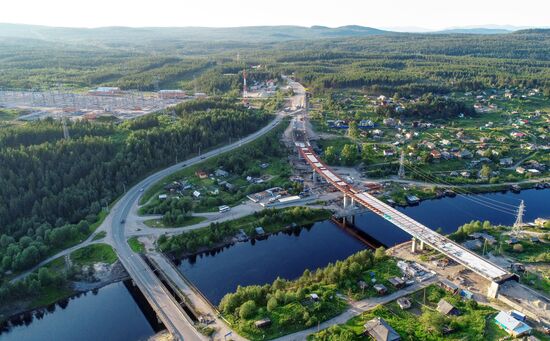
x: 114, y: 314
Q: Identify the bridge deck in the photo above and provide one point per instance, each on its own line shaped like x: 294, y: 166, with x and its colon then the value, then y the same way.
x: 441, y: 243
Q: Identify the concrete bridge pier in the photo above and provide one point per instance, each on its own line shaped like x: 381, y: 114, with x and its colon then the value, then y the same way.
x: 421, y: 245
x: 413, y: 246
x: 348, y: 201
x: 314, y: 177
x: 350, y: 218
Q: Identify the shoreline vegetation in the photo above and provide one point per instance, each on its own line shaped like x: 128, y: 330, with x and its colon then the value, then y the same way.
x: 314, y: 297
x: 218, y: 235
x: 58, y: 281
x: 435, y: 192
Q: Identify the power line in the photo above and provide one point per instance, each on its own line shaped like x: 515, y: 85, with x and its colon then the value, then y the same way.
x: 472, y: 199
x: 465, y: 191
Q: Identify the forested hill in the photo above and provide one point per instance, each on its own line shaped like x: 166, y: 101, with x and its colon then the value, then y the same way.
x: 52, y: 190
x: 182, y: 34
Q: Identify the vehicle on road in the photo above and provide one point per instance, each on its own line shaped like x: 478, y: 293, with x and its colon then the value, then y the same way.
x: 122, y: 221
x: 141, y: 189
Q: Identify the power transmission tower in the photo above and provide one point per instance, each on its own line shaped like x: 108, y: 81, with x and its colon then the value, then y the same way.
x: 401, y: 172
x: 519, y: 218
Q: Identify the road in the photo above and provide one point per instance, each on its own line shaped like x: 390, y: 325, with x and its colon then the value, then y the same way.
x: 168, y: 310
x: 199, y: 303
x: 163, y: 303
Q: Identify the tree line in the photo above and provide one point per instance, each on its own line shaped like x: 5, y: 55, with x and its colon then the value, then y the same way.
x: 52, y: 190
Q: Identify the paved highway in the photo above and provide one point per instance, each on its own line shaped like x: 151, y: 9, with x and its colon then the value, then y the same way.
x: 159, y: 298
x: 163, y: 303
x: 167, y: 309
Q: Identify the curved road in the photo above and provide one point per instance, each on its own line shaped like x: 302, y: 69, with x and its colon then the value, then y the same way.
x: 167, y: 309
x: 163, y: 303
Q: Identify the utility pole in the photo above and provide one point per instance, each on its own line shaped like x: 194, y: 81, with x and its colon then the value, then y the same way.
x: 401, y: 172
x: 519, y: 218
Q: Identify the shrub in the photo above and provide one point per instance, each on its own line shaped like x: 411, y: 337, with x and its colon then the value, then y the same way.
x: 247, y: 309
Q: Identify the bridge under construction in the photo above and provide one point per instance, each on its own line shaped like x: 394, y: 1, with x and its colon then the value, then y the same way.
x: 421, y: 234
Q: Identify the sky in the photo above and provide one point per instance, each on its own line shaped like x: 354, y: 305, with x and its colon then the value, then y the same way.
x: 400, y: 14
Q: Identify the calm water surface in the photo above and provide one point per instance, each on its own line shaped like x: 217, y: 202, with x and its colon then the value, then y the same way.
x: 114, y: 314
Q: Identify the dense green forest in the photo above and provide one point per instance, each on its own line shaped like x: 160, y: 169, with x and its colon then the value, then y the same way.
x: 52, y: 190
x: 383, y: 62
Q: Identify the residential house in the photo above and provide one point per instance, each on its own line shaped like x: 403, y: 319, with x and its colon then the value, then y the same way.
x: 511, y: 325
x: 446, y: 308
x: 517, y: 134
x: 380, y: 330
x: 429, y: 145
x: 506, y: 162
x: 404, y: 303
x: 449, y: 286
x: 520, y: 170
x: 397, y: 282
x: 380, y: 289
x: 446, y: 155
x: 435, y: 154
x: 263, y: 323
x: 464, y: 154
x: 201, y: 174
x: 220, y: 173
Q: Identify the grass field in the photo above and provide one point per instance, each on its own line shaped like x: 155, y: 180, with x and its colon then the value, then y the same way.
x: 94, y: 253
x: 136, y: 245
x: 157, y: 223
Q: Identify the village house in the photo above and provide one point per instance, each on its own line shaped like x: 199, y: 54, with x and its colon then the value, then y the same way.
x: 517, y: 134
x: 506, y: 162
x: 435, y: 154
x: 520, y: 170
x: 511, y: 325
x: 201, y: 174
x: 404, y: 303
x: 263, y: 323
x: 380, y: 289
x: 380, y: 330
x: 220, y: 173
x: 446, y: 308
x: 464, y: 154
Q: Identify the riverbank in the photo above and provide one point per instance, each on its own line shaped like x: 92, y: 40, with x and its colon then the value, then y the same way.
x: 287, y: 306
x: 258, y: 225
x: 434, y: 192
x: 90, y: 268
